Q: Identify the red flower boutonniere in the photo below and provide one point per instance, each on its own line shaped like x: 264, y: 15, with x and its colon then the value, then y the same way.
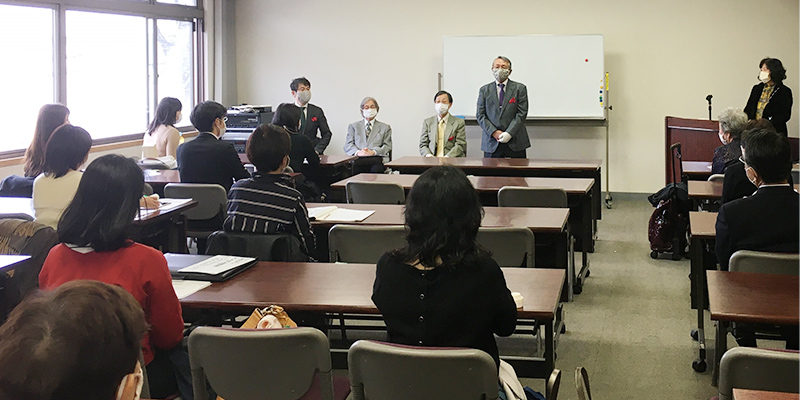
x: 314, y: 119
x: 513, y: 100
x: 451, y: 138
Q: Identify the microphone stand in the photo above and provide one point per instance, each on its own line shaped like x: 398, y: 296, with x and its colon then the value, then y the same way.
x: 708, y: 98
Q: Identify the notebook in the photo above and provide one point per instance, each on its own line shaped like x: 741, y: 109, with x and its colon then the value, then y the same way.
x: 217, y: 268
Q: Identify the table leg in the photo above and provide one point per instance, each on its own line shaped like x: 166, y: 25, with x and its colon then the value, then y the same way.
x: 176, y: 235
x: 549, y: 348
x: 587, y: 235
x: 698, y: 299
x: 721, y: 346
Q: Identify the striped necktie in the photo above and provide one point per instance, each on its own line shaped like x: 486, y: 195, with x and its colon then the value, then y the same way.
x: 369, y: 128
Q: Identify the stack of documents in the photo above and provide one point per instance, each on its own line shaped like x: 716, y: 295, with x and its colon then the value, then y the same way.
x: 333, y: 213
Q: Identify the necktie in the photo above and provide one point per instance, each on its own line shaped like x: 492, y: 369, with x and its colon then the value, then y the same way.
x: 302, y: 120
x: 369, y: 128
x: 502, y: 94
x: 440, y: 139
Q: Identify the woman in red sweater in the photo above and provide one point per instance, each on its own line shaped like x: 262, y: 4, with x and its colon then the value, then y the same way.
x: 94, y: 246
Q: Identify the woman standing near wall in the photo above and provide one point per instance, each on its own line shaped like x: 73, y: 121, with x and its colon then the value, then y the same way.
x: 771, y: 99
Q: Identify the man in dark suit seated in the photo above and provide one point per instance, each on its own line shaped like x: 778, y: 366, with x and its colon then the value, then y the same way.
x: 767, y: 220
x: 206, y: 159
x: 313, y: 118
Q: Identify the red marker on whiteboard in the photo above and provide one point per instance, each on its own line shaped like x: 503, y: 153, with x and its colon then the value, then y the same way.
x: 587, y: 60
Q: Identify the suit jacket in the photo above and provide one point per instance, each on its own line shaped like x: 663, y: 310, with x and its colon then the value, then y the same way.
x: 510, y: 118
x: 455, y: 136
x: 778, y: 110
x: 209, y: 160
x: 380, y: 139
x: 765, y: 221
x: 316, y: 121
x: 736, y: 185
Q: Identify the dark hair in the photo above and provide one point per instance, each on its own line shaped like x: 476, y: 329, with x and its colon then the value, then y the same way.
x: 165, y: 113
x: 204, y: 115
x: 441, y: 92
x: 443, y: 214
x: 768, y: 153
x: 66, y: 150
x: 76, y: 342
x: 104, y: 205
x: 287, y: 115
x: 776, y: 71
x: 268, y: 146
x: 297, y: 81
x: 51, y: 116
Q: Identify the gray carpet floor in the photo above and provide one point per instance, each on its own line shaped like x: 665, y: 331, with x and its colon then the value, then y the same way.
x: 630, y: 328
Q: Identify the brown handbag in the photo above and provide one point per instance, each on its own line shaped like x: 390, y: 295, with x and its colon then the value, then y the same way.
x: 276, y: 311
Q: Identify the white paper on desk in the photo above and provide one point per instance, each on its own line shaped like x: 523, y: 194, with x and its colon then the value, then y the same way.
x: 346, y: 215
x: 320, y: 212
x: 186, y: 288
x: 217, y: 264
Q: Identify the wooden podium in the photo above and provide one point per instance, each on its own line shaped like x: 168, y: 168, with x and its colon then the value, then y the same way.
x: 698, y: 139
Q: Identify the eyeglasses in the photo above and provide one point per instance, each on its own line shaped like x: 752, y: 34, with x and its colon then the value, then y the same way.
x: 224, y: 119
x: 741, y: 159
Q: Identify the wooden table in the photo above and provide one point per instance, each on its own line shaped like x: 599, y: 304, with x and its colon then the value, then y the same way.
x: 512, y: 167
x: 166, y: 221
x: 696, y: 170
x: 545, y: 223
x: 158, y: 178
x: 579, y: 192
x: 711, y: 191
x: 770, y: 299
x: 702, y: 230
x: 744, y: 394
x: 331, y: 168
x: 347, y: 288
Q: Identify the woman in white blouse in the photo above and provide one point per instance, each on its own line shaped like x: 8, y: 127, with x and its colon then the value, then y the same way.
x: 65, y: 151
x: 162, y: 138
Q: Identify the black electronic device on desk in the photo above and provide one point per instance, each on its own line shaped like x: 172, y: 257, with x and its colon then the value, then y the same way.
x: 242, y: 121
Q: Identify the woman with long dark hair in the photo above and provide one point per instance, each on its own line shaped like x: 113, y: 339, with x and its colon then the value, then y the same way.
x: 95, y: 245
x: 162, y: 138
x: 442, y: 289
x: 51, y: 116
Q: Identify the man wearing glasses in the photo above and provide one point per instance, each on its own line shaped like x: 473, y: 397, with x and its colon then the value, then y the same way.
x: 206, y: 159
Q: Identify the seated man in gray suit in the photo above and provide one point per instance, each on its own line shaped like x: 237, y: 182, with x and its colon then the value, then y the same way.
x: 502, y: 109
x: 443, y: 135
x: 369, y: 137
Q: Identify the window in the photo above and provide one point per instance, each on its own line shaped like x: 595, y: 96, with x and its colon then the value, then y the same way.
x: 27, y: 73
x: 120, y: 57
x: 107, y: 73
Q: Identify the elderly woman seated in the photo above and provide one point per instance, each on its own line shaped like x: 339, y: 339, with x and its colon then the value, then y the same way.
x: 731, y: 125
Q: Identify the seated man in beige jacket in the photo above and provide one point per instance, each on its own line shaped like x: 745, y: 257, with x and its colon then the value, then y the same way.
x: 443, y: 135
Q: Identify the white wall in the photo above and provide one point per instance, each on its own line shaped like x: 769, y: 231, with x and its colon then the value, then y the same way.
x: 664, y: 58
x: 135, y: 151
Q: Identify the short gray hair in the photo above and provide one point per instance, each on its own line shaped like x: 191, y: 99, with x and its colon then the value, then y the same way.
x: 367, y: 99
x: 504, y: 58
x: 732, y: 121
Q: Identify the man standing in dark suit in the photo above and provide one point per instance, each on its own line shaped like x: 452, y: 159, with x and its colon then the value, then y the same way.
x: 313, y: 118
x: 767, y: 220
x: 502, y: 110
x: 206, y: 159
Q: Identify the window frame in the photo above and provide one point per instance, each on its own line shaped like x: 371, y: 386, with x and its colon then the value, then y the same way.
x: 150, y: 9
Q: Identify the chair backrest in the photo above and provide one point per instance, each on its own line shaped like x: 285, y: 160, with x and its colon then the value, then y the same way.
x: 22, y: 216
x: 211, y: 198
x: 17, y: 186
x: 279, y: 364
x: 795, y: 175
x: 758, y: 369
x: 375, y: 193
x: 582, y: 384
x: 388, y: 372
x: 510, y: 246
x: 677, y: 163
x: 29, y: 238
x: 553, y: 383
x: 764, y: 262
x: 716, y: 178
x: 517, y: 196
x: 363, y: 243
x: 278, y: 247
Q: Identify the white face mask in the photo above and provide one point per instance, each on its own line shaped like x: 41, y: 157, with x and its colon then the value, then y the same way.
x: 501, y: 74
x: 442, y: 108
x: 304, y: 96
x: 369, y: 113
x: 178, y: 118
x: 763, y: 76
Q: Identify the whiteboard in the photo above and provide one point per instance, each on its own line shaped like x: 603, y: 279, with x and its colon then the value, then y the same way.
x: 564, y: 74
